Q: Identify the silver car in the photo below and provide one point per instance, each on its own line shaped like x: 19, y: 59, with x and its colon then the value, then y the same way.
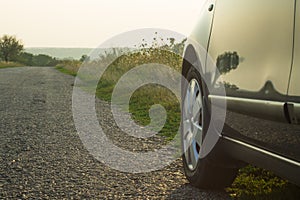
x: 255, y: 48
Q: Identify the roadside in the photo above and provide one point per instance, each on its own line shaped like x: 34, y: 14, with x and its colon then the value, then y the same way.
x: 9, y: 64
x: 43, y: 157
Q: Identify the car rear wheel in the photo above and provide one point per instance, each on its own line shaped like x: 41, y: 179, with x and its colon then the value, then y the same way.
x: 205, y: 172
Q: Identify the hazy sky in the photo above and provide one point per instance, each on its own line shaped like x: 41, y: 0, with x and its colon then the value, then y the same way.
x: 88, y: 23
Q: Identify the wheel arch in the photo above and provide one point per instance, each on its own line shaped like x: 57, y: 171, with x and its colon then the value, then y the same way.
x: 191, y: 59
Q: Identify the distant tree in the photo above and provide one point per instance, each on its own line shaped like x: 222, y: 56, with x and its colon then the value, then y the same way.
x: 10, y: 48
x: 84, y: 58
x: 25, y: 58
x: 43, y: 60
x: 36, y: 60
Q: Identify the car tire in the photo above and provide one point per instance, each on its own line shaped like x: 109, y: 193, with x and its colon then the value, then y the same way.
x: 205, y: 172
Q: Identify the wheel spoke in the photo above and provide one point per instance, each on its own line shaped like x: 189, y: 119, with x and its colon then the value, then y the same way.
x: 187, y: 104
x: 197, y: 127
x: 199, y: 137
x: 192, y: 93
x: 186, y: 127
x: 193, y: 155
x: 197, y: 107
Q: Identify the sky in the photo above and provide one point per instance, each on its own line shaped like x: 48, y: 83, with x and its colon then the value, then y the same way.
x: 89, y: 23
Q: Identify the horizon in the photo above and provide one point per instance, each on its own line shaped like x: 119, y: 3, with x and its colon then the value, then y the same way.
x: 64, y: 52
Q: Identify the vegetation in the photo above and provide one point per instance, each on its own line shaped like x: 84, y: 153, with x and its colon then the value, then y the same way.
x: 84, y: 58
x: 11, y: 52
x: 69, y: 66
x: 150, y: 94
x: 10, y: 48
x: 36, y: 60
x: 251, y: 183
x: 9, y: 64
x: 256, y: 183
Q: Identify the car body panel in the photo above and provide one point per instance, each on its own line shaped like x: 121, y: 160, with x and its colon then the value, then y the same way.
x: 255, y: 46
x: 260, y: 32
x: 252, y: 45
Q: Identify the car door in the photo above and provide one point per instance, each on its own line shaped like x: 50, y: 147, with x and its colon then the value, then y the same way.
x: 252, y: 45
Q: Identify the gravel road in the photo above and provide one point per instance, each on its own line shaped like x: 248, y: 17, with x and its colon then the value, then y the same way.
x: 43, y: 157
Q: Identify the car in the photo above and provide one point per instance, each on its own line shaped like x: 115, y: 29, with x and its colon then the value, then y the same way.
x: 255, y: 48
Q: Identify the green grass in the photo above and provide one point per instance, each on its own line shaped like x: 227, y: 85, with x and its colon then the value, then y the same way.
x: 251, y: 183
x: 260, y: 184
x: 148, y: 95
x: 65, y: 71
x: 9, y: 65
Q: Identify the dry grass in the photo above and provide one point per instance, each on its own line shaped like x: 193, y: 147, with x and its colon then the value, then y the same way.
x: 10, y: 64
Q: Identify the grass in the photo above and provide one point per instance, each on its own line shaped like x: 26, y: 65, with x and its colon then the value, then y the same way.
x: 69, y: 67
x: 148, y: 95
x: 255, y: 183
x: 9, y: 65
x: 251, y: 183
x: 65, y: 71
